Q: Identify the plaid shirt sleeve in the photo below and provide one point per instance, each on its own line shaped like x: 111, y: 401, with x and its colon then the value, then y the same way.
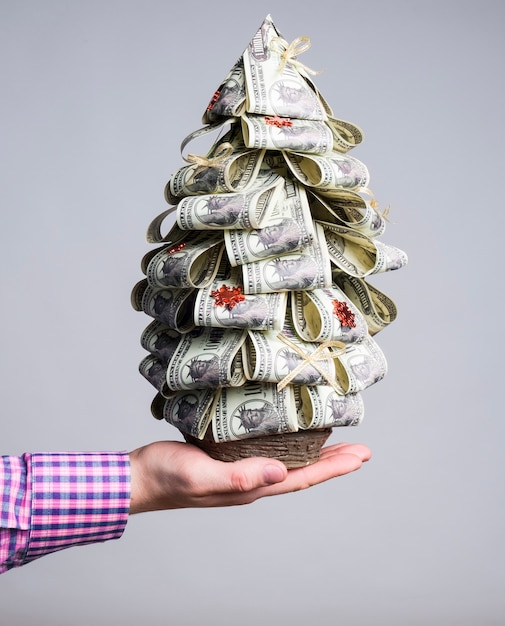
x: 52, y: 501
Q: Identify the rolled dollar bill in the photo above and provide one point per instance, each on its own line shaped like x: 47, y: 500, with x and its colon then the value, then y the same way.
x: 207, y: 358
x: 223, y: 170
x: 284, y: 133
x: 348, y: 208
x: 308, y: 269
x: 328, y: 172
x: 173, y: 307
x: 346, y: 135
x: 275, y: 160
x: 321, y: 407
x: 393, y: 258
x: 253, y: 410
x: 248, y: 209
x: 358, y: 255
x: 290, y: 228
x: 189, y: 411
x: 376, y: 307
x: 327, y: 314
x: 155, y: 372
x: 269, y: 359
x: 154, y: 234
x: 176, y: 237
x: 251, y: 209
x: 362, y: 365
x: 274, y: 84
x: 229, y: 98
x: 223, y: 304
x: 160, y: 340
x: 192, y: 262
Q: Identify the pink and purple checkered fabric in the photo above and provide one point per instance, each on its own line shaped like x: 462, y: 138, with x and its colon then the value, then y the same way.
x: 52, y: 501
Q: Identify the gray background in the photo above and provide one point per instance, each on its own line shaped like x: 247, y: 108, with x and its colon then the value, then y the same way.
x: 96, y: 98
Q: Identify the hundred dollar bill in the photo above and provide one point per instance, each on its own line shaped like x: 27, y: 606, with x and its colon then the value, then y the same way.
x: 157, y: 406
x: 346, y: 135
x: 173, y: 307
x: 189, y: 411
x: 274, y: 86
x: 223, y: 170
x: 248, y: 209
x: 362, y: 365
x: 347, y: 208
x: 254, y: 410
x: 229, y: 98
x: 154, y: 234
x: 155, y: 371
x: 190, y: 263
x: 268, y: 359
x: 328, y: 172
x: 290, y: 228
x: 275, y: 160
x: 263, y: 311
x: 175, y: 239
x: 376, y: 307
x: 308, y: 269
x: 284, y: 133
x: 327, y: 314
x: 207, y: 358
x: 321, y: 407
x: 160, y: 340
x: 359, y: 255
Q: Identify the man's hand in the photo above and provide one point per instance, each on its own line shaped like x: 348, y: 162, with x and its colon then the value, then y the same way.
x: 174, y: 475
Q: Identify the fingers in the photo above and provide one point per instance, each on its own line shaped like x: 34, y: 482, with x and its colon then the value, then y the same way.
x: 360, y: 450
x: 332, y: 464
x: 242, y: 476
x: 247, y: 475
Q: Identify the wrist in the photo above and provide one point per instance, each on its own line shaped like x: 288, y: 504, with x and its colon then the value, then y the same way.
x: 139, y: 498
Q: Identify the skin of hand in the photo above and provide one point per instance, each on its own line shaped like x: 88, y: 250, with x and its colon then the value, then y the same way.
x: 174, y: 475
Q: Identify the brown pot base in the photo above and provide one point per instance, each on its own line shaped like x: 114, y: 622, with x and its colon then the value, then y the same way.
x: 293, y: 449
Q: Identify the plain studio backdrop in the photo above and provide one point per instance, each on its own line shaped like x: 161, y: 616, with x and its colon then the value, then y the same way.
x: 96, y: 98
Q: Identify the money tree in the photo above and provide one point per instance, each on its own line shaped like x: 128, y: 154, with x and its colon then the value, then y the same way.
x: 263, y: 326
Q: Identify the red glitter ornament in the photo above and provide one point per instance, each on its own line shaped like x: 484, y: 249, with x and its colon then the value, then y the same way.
x: 275, y: 120
x: 177, y: 248
x: 214, y: 99
x: 344, y: 314
x: 227, y: 296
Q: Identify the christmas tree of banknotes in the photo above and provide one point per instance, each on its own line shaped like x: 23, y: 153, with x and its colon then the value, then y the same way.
x: 263, y: 318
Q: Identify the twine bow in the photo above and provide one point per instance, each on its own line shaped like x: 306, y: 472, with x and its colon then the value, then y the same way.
x: 313, y: 359
x: 221, y: 154
x: 289, y: 52
x: 375, y: 205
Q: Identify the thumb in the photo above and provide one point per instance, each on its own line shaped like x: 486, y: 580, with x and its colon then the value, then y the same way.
x: 249, y: 474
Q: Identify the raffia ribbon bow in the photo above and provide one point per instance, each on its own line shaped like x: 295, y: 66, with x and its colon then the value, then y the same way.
x: 374, y: 204
x: 289, y: 52
x: 222, y: 153
x: 313, y: 359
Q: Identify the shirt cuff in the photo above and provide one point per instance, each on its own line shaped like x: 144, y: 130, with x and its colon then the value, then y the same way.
x: 15, y: 511
x: 78, y: 498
